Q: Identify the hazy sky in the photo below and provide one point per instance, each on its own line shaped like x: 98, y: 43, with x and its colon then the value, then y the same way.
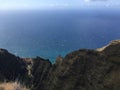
x: 58, y: 4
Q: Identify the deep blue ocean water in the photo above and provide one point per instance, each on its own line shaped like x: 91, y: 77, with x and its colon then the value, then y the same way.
x: 52, y: 33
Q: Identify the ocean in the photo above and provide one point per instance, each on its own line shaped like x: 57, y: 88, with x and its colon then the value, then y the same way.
x: 49, y: 33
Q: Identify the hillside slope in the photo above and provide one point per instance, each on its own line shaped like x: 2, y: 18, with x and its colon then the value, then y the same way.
x: 83, y: 69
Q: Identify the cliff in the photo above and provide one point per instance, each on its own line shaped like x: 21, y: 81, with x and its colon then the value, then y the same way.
x: 83, y: 69
x: 11, y: 66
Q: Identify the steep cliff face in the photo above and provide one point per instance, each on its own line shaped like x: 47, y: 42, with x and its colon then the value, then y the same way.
x: 11, y: 67
x: 79, y: 70
x: 40, y: 71
x: 87, y: 70
x: 30, y: 71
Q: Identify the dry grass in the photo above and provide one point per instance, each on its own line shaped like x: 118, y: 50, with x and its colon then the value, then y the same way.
x: 12, y: 86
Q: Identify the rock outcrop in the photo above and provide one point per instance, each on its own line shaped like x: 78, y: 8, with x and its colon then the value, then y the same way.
x: 83, y: 69
x: 40, y: 71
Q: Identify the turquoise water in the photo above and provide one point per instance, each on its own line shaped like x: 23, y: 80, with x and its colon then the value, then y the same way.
x: 52, y: 33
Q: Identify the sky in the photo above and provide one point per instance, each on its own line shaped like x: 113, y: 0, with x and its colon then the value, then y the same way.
x: 58, y: 4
